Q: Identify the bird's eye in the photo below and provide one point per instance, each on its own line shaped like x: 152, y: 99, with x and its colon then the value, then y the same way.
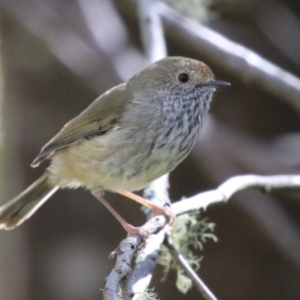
x: 183, y: 78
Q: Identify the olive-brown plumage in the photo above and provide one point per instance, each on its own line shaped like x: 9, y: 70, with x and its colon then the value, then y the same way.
x: 125, y: 139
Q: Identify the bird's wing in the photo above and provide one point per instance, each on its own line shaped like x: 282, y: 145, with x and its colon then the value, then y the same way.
x: 101, y: 116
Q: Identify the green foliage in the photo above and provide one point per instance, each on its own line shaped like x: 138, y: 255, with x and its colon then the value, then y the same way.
x: 196, y: 9
x: 188, y: 235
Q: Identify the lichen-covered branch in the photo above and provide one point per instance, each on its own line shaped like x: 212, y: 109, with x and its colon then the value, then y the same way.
x: 223, y: 193
x: 128, y: 247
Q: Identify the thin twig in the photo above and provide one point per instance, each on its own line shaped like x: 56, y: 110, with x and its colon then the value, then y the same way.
x: 198, y: 283
x: 233, y: 185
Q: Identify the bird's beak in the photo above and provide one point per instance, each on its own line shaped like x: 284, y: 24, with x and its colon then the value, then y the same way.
x: 217, y: 83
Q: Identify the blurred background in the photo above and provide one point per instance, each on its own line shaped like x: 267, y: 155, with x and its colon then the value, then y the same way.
x: 57, y: 56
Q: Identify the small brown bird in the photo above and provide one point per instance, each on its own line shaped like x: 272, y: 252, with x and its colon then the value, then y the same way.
x: 128, y: 137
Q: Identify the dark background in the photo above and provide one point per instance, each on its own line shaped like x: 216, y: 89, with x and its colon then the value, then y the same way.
x: 53, y: 66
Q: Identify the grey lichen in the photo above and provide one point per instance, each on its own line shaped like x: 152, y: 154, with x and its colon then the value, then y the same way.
x: 189, y: 234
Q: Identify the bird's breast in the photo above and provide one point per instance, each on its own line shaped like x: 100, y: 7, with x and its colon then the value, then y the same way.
x: 129, y: 158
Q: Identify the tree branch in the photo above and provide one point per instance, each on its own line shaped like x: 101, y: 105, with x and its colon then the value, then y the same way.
x: 233, y: 185
x: 124, y: 254
x: 223, y: 193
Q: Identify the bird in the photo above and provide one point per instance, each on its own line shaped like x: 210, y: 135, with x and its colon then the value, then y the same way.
x: 129, y: 136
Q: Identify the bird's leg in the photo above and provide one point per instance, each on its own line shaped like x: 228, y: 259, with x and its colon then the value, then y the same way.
x: 156, y: 209
x: 128, y: 227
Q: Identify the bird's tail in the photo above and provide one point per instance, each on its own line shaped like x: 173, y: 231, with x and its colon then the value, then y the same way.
x: 20, y: 208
